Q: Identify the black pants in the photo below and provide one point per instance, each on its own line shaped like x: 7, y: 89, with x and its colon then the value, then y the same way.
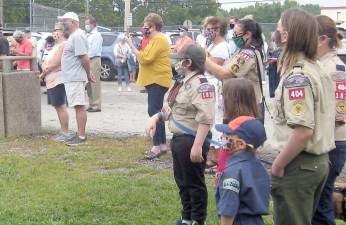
x: 156, y: 94
x: 189, y: 178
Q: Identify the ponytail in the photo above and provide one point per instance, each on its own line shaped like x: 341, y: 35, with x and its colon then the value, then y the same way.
x: 338, y: 39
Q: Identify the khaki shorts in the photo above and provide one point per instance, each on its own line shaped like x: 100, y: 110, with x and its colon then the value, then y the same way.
x: 75, y: 93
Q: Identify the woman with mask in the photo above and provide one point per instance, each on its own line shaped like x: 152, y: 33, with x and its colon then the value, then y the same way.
x: 247, y: 61
x: 155, y: 74
x: 219, y: 53
x: 52, y: 75
x: 329, y: 41
x: 303, y: 122
x: 122, y: 65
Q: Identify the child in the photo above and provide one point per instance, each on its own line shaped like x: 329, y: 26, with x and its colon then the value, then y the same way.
x: 242, y: 194
x: 189, y: 107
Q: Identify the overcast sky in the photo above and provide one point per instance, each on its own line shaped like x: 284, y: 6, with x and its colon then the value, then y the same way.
x: 231, y: 3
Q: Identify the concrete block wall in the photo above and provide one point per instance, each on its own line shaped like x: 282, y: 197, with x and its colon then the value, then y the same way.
x: 21, y: 103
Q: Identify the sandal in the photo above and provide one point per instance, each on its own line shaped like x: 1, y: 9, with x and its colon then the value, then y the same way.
x: 152, y: 155
x: 211, y: 163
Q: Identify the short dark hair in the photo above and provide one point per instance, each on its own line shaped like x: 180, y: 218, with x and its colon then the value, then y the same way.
x: 91, y: 19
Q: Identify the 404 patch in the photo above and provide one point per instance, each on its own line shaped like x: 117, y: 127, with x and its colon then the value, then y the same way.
x: 296, y: 93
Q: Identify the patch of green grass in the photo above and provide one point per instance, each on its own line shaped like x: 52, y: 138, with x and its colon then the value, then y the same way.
x: 103, y: 182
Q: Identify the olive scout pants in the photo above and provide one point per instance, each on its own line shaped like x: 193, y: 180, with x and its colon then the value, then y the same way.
x: 94, y: 89
x: 297, y: 193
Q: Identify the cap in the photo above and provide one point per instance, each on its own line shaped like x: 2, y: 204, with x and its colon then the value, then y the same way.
x: 183, y: 28
x: 194, y: 52
x: 247, y: 128
x: 27, y: 30
x: 69, y: 15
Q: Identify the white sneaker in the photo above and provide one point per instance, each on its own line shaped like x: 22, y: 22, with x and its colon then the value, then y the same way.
x: 129, y: 89
x: 120, y: 89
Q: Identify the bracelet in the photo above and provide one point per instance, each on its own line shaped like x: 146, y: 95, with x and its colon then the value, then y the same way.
x: 160, y: 116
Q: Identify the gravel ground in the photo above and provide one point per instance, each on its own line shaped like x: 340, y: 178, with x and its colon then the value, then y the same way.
x: 124, y: 114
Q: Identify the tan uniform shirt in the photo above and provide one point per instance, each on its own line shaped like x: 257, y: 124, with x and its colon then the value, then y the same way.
x: 244, y: 64
x: 304, y: 97
x: 193, y: 105
x: 330, y: 62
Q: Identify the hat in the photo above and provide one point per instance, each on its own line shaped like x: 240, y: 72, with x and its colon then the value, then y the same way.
x: 27, y: 30
x: 183, y: 28
x: 69, y: 15
x: 247, y: 128
x: 18, y: 34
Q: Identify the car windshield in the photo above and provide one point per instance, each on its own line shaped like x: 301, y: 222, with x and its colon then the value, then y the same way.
x: 108, y: 39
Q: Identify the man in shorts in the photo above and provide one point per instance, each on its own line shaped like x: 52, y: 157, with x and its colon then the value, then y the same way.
x: 75, y: 66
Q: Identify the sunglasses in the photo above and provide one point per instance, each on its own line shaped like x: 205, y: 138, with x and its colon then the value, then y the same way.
x: 232, y: 142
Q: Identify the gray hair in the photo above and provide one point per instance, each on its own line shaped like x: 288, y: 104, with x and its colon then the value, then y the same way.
x: 18, y: 34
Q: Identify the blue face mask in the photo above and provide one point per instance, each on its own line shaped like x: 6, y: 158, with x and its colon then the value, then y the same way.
x: 66, y: 27
x: 87, y: 28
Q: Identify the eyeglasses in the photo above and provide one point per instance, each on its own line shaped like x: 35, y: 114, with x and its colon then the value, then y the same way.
x: 146, y: 28
x: 212, y: 29
x: 56, y: 29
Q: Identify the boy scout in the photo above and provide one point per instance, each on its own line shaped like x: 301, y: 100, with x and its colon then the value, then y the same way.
x: 303, y: 122
x: 189, y: 107
x: 242, y: 193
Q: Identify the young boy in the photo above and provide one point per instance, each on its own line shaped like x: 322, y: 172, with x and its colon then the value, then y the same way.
x: 242, y: 194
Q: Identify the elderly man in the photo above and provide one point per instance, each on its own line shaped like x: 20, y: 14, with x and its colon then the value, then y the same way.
x: 23, y: 48
x: 95, y: 48
x: 75, y: 66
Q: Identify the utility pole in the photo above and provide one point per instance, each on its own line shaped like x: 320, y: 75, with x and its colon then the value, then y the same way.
x: 87, y: 8
x: 30, y: 12
x: 2, y: 13
x: 126, y: 14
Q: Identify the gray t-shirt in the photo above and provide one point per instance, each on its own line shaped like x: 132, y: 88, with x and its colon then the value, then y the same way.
x: 71, y: 63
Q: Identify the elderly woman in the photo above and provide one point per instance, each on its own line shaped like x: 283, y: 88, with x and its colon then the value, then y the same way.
x: 52, y: 75
x: 155, y: 74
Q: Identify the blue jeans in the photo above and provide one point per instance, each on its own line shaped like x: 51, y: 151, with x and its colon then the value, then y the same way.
x: 155, y: 102
x: 324, y: 214
x: 123, y: 72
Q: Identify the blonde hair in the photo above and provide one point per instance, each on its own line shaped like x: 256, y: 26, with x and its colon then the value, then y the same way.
x: 154, y: 19
x: 327, y: 27
x: 302, y: 29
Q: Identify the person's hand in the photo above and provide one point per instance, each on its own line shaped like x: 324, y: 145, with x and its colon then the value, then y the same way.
x: 129, y: 40
x: 150, y: 128
x: 277, y: 170
x: 196, y: 154
x: 92, y: 78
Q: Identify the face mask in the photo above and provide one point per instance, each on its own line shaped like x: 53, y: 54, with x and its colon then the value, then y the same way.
x: 180, y: 69
x: 231, y: 26
x: 181, y: 34
x: 66, y: 27
x: 210, y: 38
x: 87, y: 28
x: 239, y: 41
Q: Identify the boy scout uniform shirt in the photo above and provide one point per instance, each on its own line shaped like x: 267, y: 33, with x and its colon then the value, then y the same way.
x: 336, y: 69
x: 194, y: 103
x: 244, y: 64
x: 305, y: 97
x: 243, y: 189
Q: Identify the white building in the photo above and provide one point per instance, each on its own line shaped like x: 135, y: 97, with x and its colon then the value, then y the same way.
x: 338, y: 14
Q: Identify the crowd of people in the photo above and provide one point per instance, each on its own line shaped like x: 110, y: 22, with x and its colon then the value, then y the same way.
x: 216, y: 105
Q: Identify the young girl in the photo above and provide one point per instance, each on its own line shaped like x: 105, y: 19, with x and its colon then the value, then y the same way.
x: 239, y: 100
x: 189, y: 107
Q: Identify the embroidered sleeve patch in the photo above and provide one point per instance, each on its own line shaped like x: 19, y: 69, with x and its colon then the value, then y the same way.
x: 231, y: 184
x: 247, y: 54
x: 296, y: 93
x: 206, y: 90
x: 296, y: 81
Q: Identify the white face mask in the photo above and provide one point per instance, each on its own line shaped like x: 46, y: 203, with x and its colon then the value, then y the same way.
x: 180, y: 69
x: 181, y: 33
x: 87, y: 28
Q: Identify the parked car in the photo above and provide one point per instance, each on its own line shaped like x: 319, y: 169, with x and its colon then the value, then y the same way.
x: 108, y: 62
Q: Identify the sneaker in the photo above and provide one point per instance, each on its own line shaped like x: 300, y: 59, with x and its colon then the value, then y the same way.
x: 62, y: 137
x: 196, y: 223
x: 183, y: 222
x: 129, y: 89
x: 76, y: 141
x: 120, y: 89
